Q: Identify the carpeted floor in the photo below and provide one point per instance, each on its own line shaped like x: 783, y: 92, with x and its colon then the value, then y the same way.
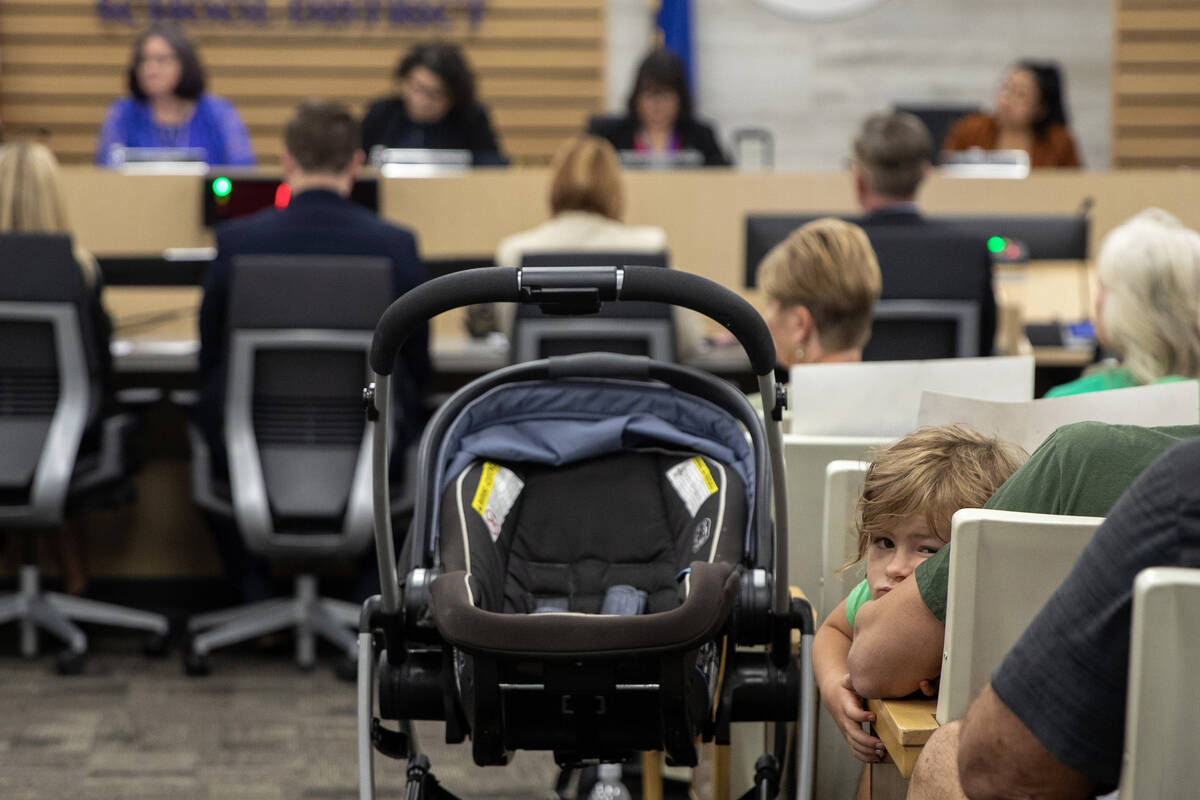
x: 257, y: 728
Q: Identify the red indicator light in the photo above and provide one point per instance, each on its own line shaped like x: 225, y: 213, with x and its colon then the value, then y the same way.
x: 283, y: 196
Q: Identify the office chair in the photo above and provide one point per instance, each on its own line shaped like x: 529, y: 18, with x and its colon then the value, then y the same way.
x: 906, y: 330
x: 297, y: 439
x: 645, y: 329
x: 50, y: 396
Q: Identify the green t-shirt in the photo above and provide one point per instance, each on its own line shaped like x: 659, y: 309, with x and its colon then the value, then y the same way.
x: 857, y: 598
x: 1081, y: 469
x: 1116, y: 378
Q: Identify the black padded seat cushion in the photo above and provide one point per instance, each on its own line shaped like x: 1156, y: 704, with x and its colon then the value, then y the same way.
x: 533, y: 536
x: 571, y: 532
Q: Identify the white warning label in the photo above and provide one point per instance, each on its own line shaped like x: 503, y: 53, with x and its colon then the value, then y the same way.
x: 498, y: 489
x: 693, y: 481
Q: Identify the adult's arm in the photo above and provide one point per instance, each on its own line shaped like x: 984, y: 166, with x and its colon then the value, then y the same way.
x: 714, y: 155
x: 897, y: 644
x: 998, y: 757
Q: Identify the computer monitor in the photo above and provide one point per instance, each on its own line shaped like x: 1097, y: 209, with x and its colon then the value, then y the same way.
x: 904, y: 330
x: 939, y: 118
x: 227, y: 197
x: 1015, y: 237
x: 159, y: 160
x: 635, y: 328
x: 678, y: 159
x: 419, y: 162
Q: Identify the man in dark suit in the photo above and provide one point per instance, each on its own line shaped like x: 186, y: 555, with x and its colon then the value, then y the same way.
x: 320, y: 160
x: 892, y: 155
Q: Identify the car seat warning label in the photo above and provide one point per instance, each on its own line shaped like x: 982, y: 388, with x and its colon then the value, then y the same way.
x: 693, y: 482
x: 498, y: 489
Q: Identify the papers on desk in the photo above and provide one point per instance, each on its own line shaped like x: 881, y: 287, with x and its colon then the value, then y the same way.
x: 882, y: 398
x: 1029, y: 423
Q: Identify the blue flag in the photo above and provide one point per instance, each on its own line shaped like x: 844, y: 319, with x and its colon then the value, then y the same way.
x: 675, y: 22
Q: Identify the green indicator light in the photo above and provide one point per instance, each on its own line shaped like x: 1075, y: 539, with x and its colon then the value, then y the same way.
x: 222, y: 187
x: 995, y: 243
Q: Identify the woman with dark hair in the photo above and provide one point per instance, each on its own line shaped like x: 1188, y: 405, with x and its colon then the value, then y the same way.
x: 436, y: 107
x: 1029, y: 114
x: 168, y: 107
x: 659, y: 114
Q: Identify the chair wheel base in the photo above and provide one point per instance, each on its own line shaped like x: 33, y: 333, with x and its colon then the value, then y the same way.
x: 154, y: 645
x: 195, y: 664
x: 70, y: 662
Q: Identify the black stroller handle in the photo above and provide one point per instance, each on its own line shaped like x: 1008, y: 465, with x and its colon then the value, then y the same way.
x: 534, y: 285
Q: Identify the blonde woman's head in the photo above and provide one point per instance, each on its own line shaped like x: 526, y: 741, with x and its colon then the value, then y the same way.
x: 30, y: 196
x: 586, y: 177
x: 1149, y: 298
x: 821, y: 285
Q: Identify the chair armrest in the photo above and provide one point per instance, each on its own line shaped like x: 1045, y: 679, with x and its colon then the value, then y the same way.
x: 904, y: 726
x: 202, y: 482
x: 108, y: 463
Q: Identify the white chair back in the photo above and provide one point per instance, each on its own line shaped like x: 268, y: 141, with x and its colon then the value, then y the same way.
x: 838, y: 770
x: 1004, y: 565
x: 839, y: 541
x: 1162, y: 710
x: 806, y: 458
x: 881, y: 398
x: 1028, y: 423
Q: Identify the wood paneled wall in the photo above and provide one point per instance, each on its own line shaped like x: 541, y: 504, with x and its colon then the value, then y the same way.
x: 539, y: 64
x: 1156, y: 83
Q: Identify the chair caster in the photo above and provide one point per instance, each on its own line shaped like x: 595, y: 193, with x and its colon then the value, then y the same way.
x: 70, y: 662
x: 346, y: 668
x: 154, y: 645
x: 195, y: 664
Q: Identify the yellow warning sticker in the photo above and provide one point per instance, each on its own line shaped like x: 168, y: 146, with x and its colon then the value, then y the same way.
x: 693, y: 482
x: 483, y: 491
x: 709, y: 483
x: 498, y: 489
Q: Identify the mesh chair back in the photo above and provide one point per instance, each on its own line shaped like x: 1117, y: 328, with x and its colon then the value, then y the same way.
x: 47, y: 390
x: 300, y: 329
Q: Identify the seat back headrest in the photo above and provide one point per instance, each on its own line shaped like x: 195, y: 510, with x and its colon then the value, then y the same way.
x: 36, y: 267
x: 321, y: 292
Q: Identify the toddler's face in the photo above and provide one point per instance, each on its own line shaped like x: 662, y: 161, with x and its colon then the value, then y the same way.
x: 892, y: 556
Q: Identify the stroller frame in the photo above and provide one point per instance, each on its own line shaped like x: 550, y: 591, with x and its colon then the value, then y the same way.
x: 421, y: 676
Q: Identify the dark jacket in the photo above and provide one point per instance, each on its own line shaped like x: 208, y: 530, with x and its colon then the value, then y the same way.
x: 970, y: 281
x: 387, y: 123
x: 316, y: 222
x: 693, y: 135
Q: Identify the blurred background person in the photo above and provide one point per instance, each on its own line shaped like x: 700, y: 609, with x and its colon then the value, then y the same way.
x: 658, y: 116
x: 1029, y: 113
x: 168, y: 107
x: 1147, y: 304
x: 31, y: 201
x: 435, y: 109
x: 587, y: 201
x: 821, y: 284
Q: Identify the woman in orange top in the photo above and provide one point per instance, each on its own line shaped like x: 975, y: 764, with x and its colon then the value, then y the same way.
x: 1028, y: 115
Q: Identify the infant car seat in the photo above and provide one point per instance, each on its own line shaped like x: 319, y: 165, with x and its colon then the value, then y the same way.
x: 592, y: 551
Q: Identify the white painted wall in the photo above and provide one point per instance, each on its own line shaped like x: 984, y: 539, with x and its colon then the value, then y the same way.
x: 811, y: 83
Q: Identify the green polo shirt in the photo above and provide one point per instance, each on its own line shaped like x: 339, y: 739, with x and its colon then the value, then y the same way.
x: 1116, y: 378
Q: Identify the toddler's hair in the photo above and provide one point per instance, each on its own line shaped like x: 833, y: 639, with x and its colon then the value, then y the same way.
x: 934, y: 472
